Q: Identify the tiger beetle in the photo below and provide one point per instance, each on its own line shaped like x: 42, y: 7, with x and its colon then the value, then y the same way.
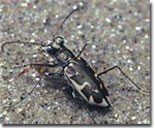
x: 87, y: 87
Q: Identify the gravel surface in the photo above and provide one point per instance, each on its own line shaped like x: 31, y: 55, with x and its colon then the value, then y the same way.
x: 117, y: 33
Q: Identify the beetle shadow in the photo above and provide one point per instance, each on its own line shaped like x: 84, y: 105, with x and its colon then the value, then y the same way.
x: 58, y: 82
x: 55, y: 81
x: 102, y: 110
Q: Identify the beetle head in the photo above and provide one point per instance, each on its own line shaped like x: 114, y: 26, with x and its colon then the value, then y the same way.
x: 55, y: 46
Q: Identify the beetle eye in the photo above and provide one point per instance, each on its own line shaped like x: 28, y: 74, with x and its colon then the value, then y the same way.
x: 51, y: 50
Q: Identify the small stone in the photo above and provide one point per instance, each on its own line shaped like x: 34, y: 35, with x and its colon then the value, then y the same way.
x: 94, y: 46
x: 28, y: 105
x: 74, y: 7
x: 116, y: 115
x: 37, y: 79
x: 1, y: 115
x: 127, y: 47
x: 7, y: 118
x: 133, y: 118
x: 32, y: 40
x: 20, y: 109
x: 81, y: 4
x: 146, y: 36
x: 147, y: 20
x: 93, y: 61
x: 5, y: 112
x: 24, y: 4
x: 108, y: 20
x: 129, y: 61
x: 79, y: 26
x: 139, y: 67
x: 34, y: 6
x: 130, y: 69
x: 138, y: 28
x: 119, y: 26
x: 34, y: 75
x: 118, y: 51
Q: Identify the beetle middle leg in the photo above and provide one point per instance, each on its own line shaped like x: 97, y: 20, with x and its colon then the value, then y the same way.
x: 35, y: 64
x: 27, y: 69
x: 41, y: 68
x: 23, y: 98
x: 114, y: 67
x: 31, y: 91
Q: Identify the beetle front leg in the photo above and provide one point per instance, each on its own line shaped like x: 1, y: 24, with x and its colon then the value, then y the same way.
x: 41, y: 68
x: 81, y: 51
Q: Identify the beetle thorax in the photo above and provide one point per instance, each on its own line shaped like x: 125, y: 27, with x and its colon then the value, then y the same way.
x: 64, y: 56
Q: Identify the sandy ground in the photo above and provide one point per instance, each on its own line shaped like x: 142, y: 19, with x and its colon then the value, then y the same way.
x: 117, y: 33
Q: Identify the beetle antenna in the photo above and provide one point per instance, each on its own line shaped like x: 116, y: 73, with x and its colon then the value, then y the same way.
x: 19, y: 42
x: 61, y: 26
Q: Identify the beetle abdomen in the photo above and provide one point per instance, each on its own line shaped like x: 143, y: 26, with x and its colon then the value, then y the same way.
x: 85, y: 86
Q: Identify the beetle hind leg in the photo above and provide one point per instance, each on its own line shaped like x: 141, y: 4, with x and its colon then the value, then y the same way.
x: 90, y: 114
x: 83, y: 105
x: 114, y: 67
x: 81, y: 51
x: 79, y: 100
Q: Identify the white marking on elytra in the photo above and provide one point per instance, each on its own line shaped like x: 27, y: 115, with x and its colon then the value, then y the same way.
x: 101, y: 86
x: 71, y: 64
x: 77, y: 86
x: 80, y: 87
x: 96, y: 90
x: 103, y: 103
x: 91, y: 100
x: 70, y: 75
x: 96, y: 75
x: 73, y: 94
x: 77, y: 73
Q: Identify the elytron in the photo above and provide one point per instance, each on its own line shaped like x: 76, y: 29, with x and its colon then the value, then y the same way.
x: 86, y: 86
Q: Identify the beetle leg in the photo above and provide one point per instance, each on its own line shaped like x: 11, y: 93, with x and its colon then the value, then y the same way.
x: 35, y: 64
x: 87, y: 110
x: 83, y: 105
x: 80, y: 100
x: 124, y: 75
x: 23, y: 98
x: 40, y: 70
